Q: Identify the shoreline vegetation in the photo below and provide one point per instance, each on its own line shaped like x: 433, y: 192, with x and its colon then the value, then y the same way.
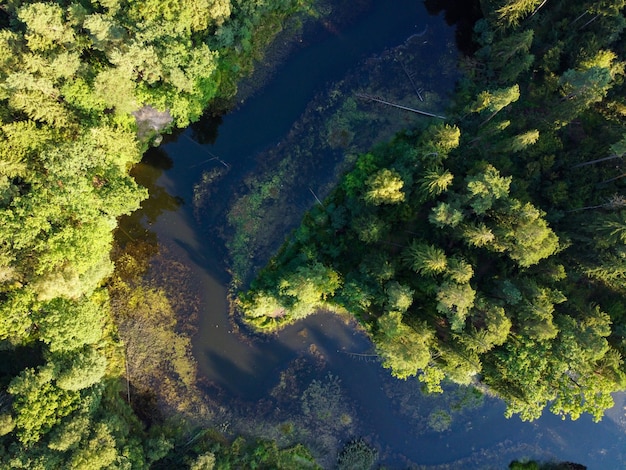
x: 487, y: 250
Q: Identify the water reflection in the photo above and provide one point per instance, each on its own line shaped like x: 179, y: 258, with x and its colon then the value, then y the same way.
x: 462, y: 15
x: 206, y: 130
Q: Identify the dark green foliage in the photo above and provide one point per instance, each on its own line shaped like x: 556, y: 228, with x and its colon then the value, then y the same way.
x: 535, y: 465
x: 208, y: 450
x: 357, y: 455
x: 491, y: 250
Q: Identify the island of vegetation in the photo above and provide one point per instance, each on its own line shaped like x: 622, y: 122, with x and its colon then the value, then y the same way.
x: 487, y: 248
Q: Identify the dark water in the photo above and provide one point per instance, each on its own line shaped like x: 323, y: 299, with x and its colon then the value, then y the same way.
x: 245, y: 371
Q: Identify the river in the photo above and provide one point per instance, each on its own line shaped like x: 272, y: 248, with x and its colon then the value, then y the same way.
x: 458, y: 429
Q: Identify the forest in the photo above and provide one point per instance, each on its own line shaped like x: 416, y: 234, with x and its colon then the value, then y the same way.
x: 85, y: 87
x: 485, y: 250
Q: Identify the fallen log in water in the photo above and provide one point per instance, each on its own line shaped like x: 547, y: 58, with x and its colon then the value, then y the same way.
x: 419, y: 95
x: 413, y: 110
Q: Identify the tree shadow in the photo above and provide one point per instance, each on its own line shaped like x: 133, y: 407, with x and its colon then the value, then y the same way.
x: 463, y: 15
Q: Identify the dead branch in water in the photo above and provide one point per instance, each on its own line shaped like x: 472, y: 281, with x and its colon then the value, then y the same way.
x: 419, y: 95
x: 316, y: 198
x: 413, y: 110
x: 213, y: 157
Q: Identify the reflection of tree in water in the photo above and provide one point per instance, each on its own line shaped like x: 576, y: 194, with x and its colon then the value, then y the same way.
x: 135, y: 226
x: 463, y: 15
x: 206, y: 130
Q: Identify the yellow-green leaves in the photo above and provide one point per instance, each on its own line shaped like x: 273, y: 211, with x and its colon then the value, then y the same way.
x: 46, y: 28
x: 38, y: 403
x: 66, y: 325
x: 403, y: 349
x: 511, y: 12
x: 384, y: 187
x: 425, y: 259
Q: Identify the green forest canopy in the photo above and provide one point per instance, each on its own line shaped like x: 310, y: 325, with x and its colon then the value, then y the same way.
x: 489, y: 250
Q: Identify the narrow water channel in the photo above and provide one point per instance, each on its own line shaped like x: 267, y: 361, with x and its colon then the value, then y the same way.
x: 387, y: 411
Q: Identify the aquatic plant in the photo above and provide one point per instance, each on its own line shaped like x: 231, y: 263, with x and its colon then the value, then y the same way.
x: 439, y: 420
x: 357, y: 455
x: 323, y: 400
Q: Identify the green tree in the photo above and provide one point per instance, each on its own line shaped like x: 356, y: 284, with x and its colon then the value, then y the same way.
x: 404, y: 349
x: 308, y: 287
x: 455, y: 300
x: 511, y: 12
x: 70, y: 432
x: 66, y: 325
x: 38, y: 404
x: 425, y: 259
x: 79, y: 369
x: 495, y: 101
x: 99, y: 451
x: 524, y: 234
x: 435, y: 182
x: 510, y: 56
x: 384, y: 187
x: 399, y: 297
x: 477, y: 234
x: 46, y: 27
x: 485, y: 188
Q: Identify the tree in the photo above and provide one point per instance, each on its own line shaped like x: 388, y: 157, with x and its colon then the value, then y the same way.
x: 79, y: 369
x: 495, y: 101
x: 425, y: 259
x: 67, y: 325
x: 105, y: 33
x: 455, y: 300
x: 521, y: 141
x: 115, y: 88
x: 369, y: 228
x: 485, y: 188
x: 404, y: 350
x: 70, y: 432
x: 536, y: 312
x: 446, y: 215
x: 477, y: 235
x: 611, y: 229
x: 46, y: 27
x: 511, y: 12
x: 204, y: 461
x: 435, y: 182
x: 308, y: 287
x: 525, y: 234
x: 39, y: 404
x: 581, y: 88
x: 509, y: 56
x: 399, y: 297
x: 459, y: 270
x: 384, y: 187
x: 98, y: 452
x: 490, y: 327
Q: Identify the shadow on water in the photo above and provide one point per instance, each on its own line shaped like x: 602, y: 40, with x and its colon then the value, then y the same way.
x: 462, y: 15
x: 392, y: 414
